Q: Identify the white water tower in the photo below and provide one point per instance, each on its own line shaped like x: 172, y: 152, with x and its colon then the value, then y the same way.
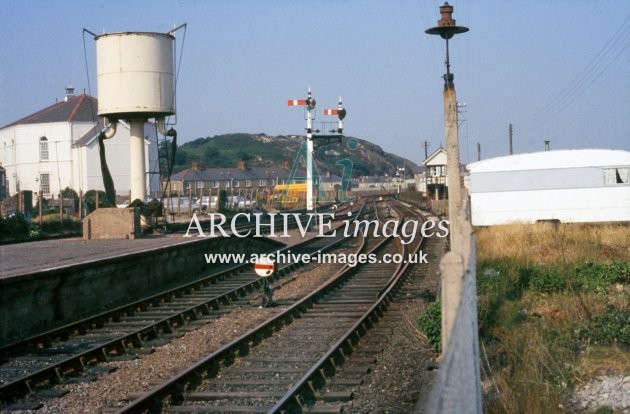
x: 136, y: 82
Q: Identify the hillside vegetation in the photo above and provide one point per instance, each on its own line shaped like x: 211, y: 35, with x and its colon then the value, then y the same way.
x: 260, y: 150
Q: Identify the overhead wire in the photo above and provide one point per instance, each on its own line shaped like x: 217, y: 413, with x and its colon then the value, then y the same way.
x: 606, y: 56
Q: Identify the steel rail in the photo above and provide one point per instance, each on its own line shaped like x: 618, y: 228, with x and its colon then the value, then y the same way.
x: 174, y: 388
x: 119, y: 345
x: 304, y: 390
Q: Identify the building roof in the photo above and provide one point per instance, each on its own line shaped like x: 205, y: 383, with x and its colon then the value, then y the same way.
x: 433, y: 157
x: 80, y: 108
x: 573, y: 158
x: 90, y: 135
x: 219, y: 174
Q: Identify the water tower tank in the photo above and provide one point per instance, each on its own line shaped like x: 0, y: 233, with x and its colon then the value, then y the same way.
x: 135, y: 74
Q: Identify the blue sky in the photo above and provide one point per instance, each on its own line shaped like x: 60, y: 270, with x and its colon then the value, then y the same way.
x: 556, y: 69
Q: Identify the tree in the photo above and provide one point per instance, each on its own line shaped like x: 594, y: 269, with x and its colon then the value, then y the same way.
x: 90, y: 199
x: 69, y: 194
x: 222, y: 201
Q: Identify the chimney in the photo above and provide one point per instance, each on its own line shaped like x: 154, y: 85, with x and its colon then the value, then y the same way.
x: 195, y: 165
x: 69, y: 92
x: 242, y: 165
x: 547, y: 145
x: 285, y: 164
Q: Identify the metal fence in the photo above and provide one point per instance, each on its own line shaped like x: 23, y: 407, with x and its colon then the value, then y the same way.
x: 458, y: 385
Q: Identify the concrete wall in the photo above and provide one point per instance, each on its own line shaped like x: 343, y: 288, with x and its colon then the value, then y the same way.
x: 32, y: 303
x: 112, y: 223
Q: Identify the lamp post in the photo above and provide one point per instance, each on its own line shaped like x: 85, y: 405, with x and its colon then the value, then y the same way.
x: 446, y: 29
x: 451, y: 283
x: 39, y: 200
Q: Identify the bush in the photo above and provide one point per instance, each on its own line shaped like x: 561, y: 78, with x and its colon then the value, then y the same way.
x: 601, y: 276
x: 612, y: 326
x: 67, y: 226
x: 90, y: 199
x: 15, y: 227
x: 545, y: 279
x: 430, y: 322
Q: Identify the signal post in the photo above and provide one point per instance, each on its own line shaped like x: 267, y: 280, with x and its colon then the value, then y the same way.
x: 309, y: 103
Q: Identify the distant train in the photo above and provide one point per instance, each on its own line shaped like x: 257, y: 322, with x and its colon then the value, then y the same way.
x: 579, y: 185
x: 289, y: 195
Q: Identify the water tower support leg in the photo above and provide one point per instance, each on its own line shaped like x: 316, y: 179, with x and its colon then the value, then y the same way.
x: 137, y: 166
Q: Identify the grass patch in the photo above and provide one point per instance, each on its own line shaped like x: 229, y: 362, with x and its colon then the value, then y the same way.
x: 554, y: 301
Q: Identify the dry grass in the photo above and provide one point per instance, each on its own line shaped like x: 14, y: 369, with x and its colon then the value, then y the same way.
x: 531, y: 337
x: 533, y: 382
x: 604, y: 359
x: 547, y: 243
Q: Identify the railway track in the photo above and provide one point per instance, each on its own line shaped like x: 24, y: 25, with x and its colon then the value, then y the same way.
x: 29, y: 367
x: 283, y: 364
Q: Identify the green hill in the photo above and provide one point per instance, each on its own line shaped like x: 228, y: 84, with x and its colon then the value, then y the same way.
x: 261, y: 150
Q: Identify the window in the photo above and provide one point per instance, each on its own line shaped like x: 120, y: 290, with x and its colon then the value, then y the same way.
x: 614, y: 176
x: 215, y: 184
x: 262, y: 183
x: 227, y: 184
x: 43, y: 149
x: 44, y: 183
x: 237, y: 183
x: 200, y: 184
x: 187, y: 185
x: 248, y: 183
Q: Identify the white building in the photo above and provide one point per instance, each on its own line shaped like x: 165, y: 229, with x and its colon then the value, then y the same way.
x: 57, y: 147
x: 434, y: 185
x: 581, y: 185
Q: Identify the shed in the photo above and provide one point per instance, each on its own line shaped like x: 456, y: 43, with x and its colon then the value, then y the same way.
x: 578, y: 185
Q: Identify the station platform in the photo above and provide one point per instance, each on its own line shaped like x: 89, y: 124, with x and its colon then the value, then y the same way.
x: 38, y: 256
x: 46, y: 284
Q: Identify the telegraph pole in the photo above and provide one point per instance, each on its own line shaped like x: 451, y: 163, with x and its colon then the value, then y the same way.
x: 510, y: 134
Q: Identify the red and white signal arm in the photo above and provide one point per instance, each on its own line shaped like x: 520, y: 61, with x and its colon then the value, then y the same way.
x: 297, y: 102
x: 331, y: 111
x: 264, y: 267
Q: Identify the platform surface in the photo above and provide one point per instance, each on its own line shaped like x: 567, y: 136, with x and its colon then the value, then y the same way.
x: 26, y: 258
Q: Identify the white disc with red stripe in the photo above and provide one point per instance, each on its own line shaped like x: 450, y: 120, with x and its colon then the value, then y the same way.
x: 264, y: 267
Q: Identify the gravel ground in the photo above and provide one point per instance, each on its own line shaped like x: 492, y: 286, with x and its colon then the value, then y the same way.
x: 402, y: 377
x: 397, y: 383
x: 611, y: 391
x: 143, y: 373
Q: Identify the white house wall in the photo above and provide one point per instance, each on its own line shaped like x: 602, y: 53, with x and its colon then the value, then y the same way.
x: 19, y: 152
x: 119, y: 161
x: 76, y: 167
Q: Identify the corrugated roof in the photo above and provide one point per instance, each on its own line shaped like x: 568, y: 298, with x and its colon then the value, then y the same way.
x: 80, y: 108
x: 573, y: 158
